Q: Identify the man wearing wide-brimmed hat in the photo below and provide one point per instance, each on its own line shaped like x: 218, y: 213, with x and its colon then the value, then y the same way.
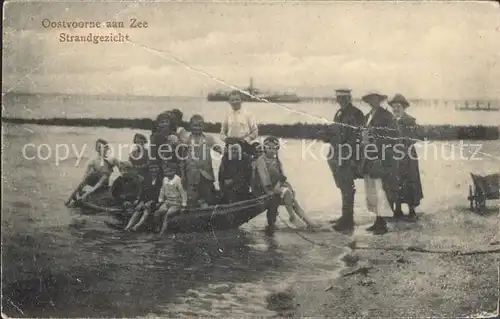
x: 410, y: 187
x: 343, y: 138
x: 378, y: 167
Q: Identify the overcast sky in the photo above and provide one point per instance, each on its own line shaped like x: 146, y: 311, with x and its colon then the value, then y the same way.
x: 425, y: 50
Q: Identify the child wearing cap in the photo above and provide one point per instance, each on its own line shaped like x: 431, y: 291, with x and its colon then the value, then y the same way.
x: 172, y: 198
x: 270, y: 172
x: 151, y: 187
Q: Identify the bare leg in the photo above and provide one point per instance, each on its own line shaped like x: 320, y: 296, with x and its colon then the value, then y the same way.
x: 288, y: 201
x: 145, y: 216
x: 300, y: 212
x: 171, y: 210
x: 75, y: 192
x: 133, y: 220
x: 158, y: 218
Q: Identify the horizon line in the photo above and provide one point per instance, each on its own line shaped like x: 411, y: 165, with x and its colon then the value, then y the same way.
x: 204, y: 96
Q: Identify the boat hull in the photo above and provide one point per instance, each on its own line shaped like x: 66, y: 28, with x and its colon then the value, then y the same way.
x: 219, y: 217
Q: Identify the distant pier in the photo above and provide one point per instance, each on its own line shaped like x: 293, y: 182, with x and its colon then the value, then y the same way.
x: 465, y: 104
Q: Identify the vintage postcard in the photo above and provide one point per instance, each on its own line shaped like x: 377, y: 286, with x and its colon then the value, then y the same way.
x: 250, y: 159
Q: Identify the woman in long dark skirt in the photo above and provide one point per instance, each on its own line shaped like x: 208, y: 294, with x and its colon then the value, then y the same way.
x: 410, y: 187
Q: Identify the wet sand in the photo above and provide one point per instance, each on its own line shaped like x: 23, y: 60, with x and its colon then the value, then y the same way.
x: 412, y: 283
x: 404, y: 283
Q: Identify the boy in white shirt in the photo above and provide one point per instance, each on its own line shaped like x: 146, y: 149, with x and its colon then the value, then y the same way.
x: 239, y: 124
x: 173, y: 197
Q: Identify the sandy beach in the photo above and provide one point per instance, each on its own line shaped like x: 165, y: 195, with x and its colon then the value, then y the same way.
x: 412, y: 284
x: 398, y: 283
x: 416, y: 284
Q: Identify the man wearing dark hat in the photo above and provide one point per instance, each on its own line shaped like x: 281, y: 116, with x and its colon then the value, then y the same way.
x: 379, y: 168
x: 343, y: 138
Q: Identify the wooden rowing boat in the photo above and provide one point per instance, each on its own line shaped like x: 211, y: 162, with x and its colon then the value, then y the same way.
x: 218, y: 217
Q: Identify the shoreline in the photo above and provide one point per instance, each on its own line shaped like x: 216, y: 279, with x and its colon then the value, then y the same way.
x: 409, y: 283
x: 293, y: 131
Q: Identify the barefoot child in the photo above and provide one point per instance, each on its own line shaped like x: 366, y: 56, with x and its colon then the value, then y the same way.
x: 127, y: 187
x: 270, y: 171
x: 147, y: 202
x: 97, y: 173
x: 172, y: 199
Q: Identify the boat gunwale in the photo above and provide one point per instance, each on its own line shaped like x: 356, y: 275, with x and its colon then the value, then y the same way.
x: 215, y: 209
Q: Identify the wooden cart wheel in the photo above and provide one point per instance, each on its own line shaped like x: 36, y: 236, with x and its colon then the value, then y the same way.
x: 471, y: 197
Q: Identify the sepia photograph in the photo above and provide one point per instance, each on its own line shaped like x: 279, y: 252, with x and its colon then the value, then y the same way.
x: 301, y: 159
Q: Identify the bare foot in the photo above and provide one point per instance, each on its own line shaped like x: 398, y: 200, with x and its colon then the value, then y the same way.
x: 311, y: 226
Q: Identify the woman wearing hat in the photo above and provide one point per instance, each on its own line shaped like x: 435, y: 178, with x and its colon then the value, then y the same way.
x: 378, y: 167
x: 410, y: 186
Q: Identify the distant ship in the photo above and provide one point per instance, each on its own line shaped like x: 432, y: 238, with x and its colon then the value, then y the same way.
x: 255, y: 96
x: 478, y: 107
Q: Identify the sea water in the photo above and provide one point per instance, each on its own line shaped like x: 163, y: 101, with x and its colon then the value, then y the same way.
x: 71, y: 106
x: 58, y: 262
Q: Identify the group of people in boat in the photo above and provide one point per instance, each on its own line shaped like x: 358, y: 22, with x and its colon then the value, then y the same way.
x: 176, y: 173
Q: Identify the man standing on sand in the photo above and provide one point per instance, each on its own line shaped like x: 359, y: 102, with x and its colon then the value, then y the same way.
x: 342, y: 158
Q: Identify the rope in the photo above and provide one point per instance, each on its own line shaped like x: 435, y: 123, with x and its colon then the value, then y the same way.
x: 403, y: 249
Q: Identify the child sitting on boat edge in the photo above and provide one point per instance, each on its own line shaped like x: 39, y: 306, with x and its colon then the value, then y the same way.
x: 269, y: 172
x: 172, y: 198
x: 150, y: 193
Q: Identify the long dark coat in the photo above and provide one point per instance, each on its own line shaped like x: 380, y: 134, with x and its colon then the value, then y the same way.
x: 410, y: 187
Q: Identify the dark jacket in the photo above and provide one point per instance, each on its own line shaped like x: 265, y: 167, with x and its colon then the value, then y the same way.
x: 384, y: 128
x: 378, y: 161
x: 151, y: 192
x: 410, y: 187
x: 235, y: 177
x: 139, y: 159
x: 348, y: 134
x: 127, y: 187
